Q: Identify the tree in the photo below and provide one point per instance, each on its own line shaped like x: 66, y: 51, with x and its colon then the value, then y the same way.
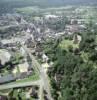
x: 71, y: 76
x: 88, y: 42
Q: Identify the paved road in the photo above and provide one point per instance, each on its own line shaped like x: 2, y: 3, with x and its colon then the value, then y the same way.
x: 40, y: 70
x: 23, y: 84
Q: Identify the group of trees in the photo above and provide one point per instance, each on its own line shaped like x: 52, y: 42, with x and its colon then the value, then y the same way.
x: 71, y: 77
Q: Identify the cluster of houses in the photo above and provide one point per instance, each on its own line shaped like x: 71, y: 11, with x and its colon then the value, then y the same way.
x: 11, y: 19
x: 19, y: 70
x: 31, y: 91
x: 6, y: 20
x: 42, y: 31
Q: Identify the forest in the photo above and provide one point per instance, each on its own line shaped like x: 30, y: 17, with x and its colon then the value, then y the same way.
x: 74, y: 73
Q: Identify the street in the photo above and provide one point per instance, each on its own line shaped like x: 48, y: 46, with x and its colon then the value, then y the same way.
x: 40, y: 70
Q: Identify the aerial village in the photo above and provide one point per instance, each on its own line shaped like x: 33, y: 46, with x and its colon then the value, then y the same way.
x: 21, y: 41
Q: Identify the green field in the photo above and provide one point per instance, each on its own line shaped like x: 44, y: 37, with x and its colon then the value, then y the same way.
x: 65, y: 44
x: 30, y: 78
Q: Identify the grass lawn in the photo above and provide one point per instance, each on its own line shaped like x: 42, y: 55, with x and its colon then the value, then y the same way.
x: 66, y: 43
x: 30, y: 78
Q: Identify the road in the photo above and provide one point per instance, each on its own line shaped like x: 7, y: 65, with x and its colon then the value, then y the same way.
x: 43, y: 76
x: 22, y: 84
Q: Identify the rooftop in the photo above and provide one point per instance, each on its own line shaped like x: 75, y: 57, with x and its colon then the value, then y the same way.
x: 4, y: 56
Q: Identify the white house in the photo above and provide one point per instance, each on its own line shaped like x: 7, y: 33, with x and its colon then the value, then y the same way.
x: 4, y: 56
x: 45, y: 58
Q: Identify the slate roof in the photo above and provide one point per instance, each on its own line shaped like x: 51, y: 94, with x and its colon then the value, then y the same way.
x: 7, y: 78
